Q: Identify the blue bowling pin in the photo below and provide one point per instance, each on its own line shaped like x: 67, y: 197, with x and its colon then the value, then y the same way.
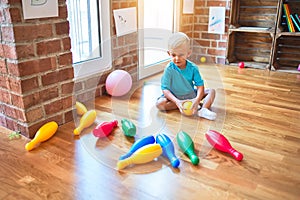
x: 138, y: 144
x: 168, y: 149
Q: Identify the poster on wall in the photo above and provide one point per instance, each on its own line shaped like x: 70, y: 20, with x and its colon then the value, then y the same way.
x: 33, y: 9
x: 188, y: 7
x: 216, y: 22
x: 125, y: 20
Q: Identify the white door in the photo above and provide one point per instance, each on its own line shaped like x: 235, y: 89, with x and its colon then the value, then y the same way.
x: 156, y: 24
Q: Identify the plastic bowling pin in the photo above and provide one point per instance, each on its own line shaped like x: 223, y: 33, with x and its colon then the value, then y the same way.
x: 138, y: 144
x: 168, y: 149
x: 104, y: 129
x: 186, y: 144
x: 44, y: 133
x: 220, y: 142
x: 85, y: 121
x: 80, y: 108
x: 143, y: 155
x: 129, y: 129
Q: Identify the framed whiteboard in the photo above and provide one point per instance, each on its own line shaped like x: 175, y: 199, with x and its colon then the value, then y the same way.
x: 125, y: 20
x: 33, y: 9
x: 216, y: 23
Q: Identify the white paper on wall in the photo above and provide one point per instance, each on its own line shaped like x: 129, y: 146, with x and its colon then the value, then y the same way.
x: 216, y: 23
x: 125, y: 20
x: 39, y: 8
x: 188, y: 7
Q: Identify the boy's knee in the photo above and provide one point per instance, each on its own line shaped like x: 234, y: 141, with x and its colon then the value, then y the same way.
x: 159, y: 105
x: 212, y: 94
x: 213, y: 91
x: 210, y: 91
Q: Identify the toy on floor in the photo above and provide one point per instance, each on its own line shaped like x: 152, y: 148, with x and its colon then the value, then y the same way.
x: 168, y: 149
x: 186, y: 144
x: 44, y: 133
x: 80, y: 108
x: 241, y: 64
x: 144, y: 154
x: 137, y: 145
x: 104, y: 129
x: 128, y: 127
x: 14, y: 135
x: 203, y: 59
x: 220, y: 142
x: 85, y: 121
x: 118, y: 83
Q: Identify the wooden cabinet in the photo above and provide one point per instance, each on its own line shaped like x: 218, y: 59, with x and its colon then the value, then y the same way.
x: 256, y: 37
x: 286, y: 53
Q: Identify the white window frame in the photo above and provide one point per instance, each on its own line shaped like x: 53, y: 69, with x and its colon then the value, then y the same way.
x: 90, y: 67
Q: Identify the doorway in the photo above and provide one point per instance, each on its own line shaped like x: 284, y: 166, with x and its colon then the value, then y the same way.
x: 156, y: 23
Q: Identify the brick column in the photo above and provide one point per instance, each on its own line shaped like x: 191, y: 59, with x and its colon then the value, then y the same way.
x: 36, y: 73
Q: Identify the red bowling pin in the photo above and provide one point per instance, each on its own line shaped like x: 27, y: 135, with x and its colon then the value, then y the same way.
x: 219, y: 142
x: 104, y: 129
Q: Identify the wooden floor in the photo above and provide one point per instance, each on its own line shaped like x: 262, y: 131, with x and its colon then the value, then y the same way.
x: 258, y: 111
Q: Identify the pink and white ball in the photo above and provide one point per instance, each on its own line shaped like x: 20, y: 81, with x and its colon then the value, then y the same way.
x: 118, y: 83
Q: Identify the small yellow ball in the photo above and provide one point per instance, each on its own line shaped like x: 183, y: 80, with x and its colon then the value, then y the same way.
x: 187, y: 108
x: 203, y: 59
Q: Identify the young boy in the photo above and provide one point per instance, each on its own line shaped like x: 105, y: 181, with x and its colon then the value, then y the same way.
x: 181, y: 81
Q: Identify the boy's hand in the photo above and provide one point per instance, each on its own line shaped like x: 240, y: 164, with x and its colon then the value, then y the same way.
x: 188, y: 107
x: 179, y: 105
x: 194, y: 105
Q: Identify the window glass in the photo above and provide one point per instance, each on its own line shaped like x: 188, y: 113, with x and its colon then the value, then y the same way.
x: 84, y: 29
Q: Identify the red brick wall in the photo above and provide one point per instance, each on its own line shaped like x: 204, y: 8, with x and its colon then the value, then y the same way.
x: 211, y: 46
x: 36, y: 73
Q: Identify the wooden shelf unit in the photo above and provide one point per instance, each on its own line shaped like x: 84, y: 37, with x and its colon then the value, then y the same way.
x: 253, y: 48
x: 251, y: 32
x: 286, y: 50
x: 254, y: 13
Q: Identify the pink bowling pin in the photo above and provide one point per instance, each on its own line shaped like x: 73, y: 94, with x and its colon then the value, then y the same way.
x: 104, y: 129
x: 219, y: 142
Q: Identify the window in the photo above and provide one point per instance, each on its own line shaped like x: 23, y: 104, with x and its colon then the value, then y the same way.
x: 90, y: 36
x: 157, y: 25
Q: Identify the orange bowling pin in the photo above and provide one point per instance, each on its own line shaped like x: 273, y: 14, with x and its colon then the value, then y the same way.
x: 85, y: 121
x: 43, y: 134
x: 145, y: 154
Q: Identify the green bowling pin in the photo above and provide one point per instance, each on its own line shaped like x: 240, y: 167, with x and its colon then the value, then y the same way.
x: 186, y: 144
x: 129, y: 129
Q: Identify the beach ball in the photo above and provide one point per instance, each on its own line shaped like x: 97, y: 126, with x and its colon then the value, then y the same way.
x: 118, y: 83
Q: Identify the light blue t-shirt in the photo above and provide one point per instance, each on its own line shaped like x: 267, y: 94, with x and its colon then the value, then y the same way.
x: 181, y: 82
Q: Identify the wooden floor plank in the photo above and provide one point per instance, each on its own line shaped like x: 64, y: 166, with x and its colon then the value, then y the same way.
x: 258, y: 111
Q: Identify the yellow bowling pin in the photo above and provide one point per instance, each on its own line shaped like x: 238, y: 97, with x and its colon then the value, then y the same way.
x: 43, y: 134
x: 85, y: 121
x: 145, y: 154
x: 80, y: 108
